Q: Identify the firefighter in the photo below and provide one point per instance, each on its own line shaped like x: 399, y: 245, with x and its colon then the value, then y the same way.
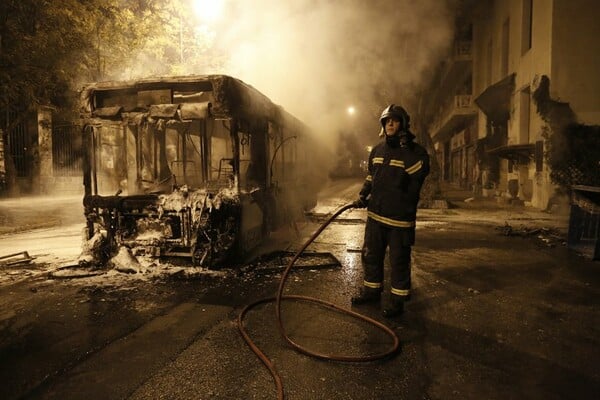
x: 396, y: 171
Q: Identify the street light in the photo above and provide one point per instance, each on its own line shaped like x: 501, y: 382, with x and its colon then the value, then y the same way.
x: 208, y: 10
x: 205, y: 13
x: 351, y: 110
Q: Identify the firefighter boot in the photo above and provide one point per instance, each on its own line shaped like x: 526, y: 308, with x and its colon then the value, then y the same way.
x: 366, y: 295
x: 395, y: 309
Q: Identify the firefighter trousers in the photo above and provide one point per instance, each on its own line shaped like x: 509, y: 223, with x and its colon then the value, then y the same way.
x: 378, y: 238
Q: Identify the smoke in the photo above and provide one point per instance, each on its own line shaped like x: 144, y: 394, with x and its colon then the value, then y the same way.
x: 317, y: 57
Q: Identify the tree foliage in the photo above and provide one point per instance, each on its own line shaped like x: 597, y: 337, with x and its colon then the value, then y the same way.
x: 574, y: 155
x: 572, y: 149
x: 48, y: 48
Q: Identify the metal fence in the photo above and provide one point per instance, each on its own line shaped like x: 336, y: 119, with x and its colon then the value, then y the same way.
x: 66, y: 149
x: 19, y: 142
x: 584, y: 221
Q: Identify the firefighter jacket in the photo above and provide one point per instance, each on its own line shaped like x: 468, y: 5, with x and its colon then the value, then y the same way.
x: 395, y: 176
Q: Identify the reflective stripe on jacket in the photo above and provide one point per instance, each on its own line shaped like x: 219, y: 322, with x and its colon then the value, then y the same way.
x: 394, y: 181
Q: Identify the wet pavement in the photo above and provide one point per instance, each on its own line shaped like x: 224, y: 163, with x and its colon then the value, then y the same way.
x: 496, y: 313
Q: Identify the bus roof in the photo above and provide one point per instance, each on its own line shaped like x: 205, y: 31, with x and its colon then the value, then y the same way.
x: 231, y: 97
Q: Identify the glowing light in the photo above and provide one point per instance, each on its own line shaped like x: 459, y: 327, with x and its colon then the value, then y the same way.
x: 208, y: 10
x: 351, y: 110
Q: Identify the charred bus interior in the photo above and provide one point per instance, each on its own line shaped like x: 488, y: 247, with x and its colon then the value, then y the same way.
x: 202, y: 167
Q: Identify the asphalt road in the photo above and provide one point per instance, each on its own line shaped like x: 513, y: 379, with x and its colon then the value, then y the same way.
x: 493, y: 316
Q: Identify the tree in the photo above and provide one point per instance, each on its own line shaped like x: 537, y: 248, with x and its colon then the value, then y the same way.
x: 572, y: 149
x: 50, y: 47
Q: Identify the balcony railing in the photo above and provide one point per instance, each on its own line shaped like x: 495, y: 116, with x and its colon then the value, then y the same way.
x: 457, y: 66
x: 455, y: 104
x: 451, y: 111
x: 463, y: 101
x: 462, y: 48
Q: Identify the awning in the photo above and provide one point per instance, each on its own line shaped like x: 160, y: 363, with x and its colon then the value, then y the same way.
x: 495, y: 100
x: 516, y: 152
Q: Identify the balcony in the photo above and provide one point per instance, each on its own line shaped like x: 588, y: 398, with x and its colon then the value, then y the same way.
x: 462, y: 50
x: 459, y: 64
x: 494, y: 101
x: 452, y: 117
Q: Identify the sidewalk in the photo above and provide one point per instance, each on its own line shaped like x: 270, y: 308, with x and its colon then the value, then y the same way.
x: 26, y: 213
x: 463, y: 198
x: 462, y: 201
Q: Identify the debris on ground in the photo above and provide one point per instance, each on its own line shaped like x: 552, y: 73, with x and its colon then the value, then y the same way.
x: 278, y: 260
x: 322, y: 217
x: 22, y: 257
x: 125, y: 262
x: 73, y: 272
x: 92, y: 248
x: 117, y: 272
x: 550, y: 237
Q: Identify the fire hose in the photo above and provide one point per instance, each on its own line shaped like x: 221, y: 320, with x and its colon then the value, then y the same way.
x: 280, y: 296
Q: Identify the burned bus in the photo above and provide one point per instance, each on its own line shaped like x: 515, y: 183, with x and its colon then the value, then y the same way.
x: 202, y: 167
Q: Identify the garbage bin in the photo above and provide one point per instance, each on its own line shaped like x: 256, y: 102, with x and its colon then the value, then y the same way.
x: 584, y: 221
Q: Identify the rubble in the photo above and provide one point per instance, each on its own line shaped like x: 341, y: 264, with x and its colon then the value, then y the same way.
x: 90, y: 249
x: 125, y: 262
x: 124, y: 267
x: 550, y: 237
x: 73, y: 272
x: 22, y: 257
x: 278, y: 260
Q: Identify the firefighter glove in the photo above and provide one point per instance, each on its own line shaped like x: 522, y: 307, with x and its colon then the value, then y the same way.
x: 362, y: 202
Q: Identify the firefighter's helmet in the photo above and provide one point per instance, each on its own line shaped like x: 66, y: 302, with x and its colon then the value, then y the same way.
x: 398, y: 112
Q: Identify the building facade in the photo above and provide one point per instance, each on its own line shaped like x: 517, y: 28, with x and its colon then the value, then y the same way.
x: 519, y: 70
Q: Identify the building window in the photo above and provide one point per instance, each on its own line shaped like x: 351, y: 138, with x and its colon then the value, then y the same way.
x: 526, y: 31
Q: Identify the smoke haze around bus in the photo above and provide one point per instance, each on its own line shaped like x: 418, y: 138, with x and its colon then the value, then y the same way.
x: 316, y: 57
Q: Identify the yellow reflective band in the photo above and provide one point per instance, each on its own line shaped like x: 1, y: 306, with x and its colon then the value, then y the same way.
x: 389, y: 221
x: 415, y: 167
x: 373, y: 285
x: 397, y: 163
x: 400, y: 292
x: 369, y: 178
x: 378, y: 160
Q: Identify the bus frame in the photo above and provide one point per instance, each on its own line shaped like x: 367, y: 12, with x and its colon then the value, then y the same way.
x: 201, y: 167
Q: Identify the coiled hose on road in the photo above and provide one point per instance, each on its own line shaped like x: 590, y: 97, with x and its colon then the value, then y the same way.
x: 331, y: 357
